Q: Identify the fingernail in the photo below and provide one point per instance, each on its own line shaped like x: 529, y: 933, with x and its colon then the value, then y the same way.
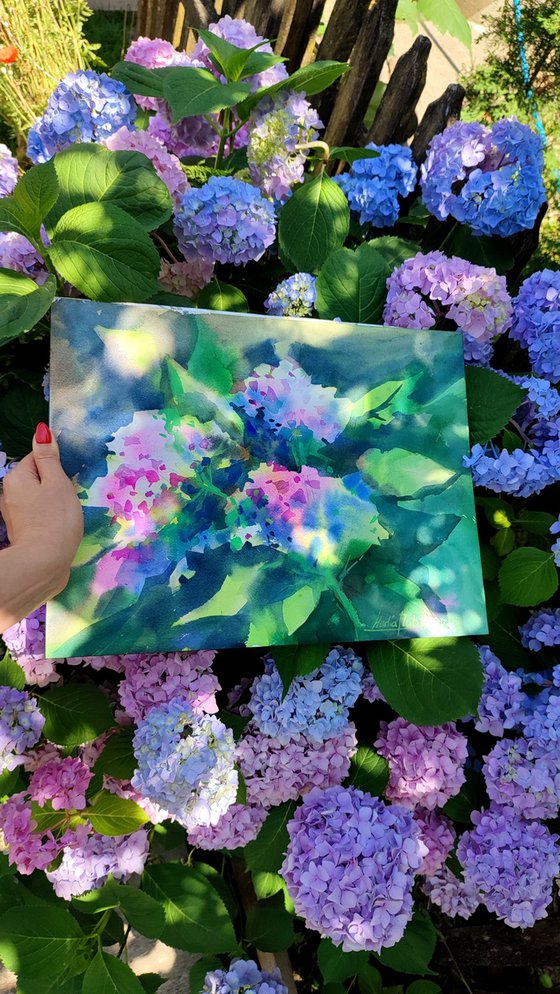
x: 43, y: 434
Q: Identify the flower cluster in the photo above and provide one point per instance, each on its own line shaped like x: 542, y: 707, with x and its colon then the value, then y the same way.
x: 455, y: 897
x: 8, y: 171
x: 243, y: 975
x: 520, y: 473
x: 28, y: 849
x: 87, y: 866
x: 155, y: 680
x: 154, y: 53
x: 63, y: 782
x: 374, y: 184
x: 16, y: 252
x: 502, y: 701
x: 240, y: 824
x: 185, y: 278
x: 167, y: 166
x: 488, y: 178
x: 293, y: 297
x: 425, y: 764
x: 350, y: 867
x: 185, y: 763
x: 26, y: 642
x: 278, y: 130
x: 542, y: 628
x: 21, y: 724
x: 438, y: 835
x: 524, y: 774
x: 537, y: 322
x: 512, y: 864
x: 86, y: 106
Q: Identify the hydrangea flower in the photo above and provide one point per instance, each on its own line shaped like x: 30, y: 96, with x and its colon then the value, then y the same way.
x: 543, y: 400
x: 243, y: 975
x: 316, y: 705
x: 293, y: 297
x: 167, y: 166
x: 427, y: 290
x: 425, y: 764
x: 185, y: 763
x: 8, y: 171
x: 438, y: 835
x: 185, y: 278
x: 512, y: 863
x: 537, y: 322
x: 238, y: 826
x: 488, y: 178
x: 373, y: 185
x: 277, y: 768
x: 555, y: 548
x: 86, y: 106
x: 524, y: 774
x: 154, y: 53
x: 151, y: 680
x: 28, y: 850
x: 455, y: 897
x: 190, y: 136
x: 243, y: 35
x: 16, y: 252
x: 86, y: 867
x: 63, y: 782
x: 21, y: 724
x: 350, y: 867
x: 502, y: 700
x: 26, y: 642
x: 519, y: 473
x: 287, y: 400
x: 370, y: 690
x: 226, y: 220
x: 278, y: 127
x: 542, y: 628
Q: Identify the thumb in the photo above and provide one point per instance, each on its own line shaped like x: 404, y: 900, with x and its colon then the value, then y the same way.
x: 45, y: 453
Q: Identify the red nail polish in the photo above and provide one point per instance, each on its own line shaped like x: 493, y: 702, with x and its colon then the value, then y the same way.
x: 43, y: 434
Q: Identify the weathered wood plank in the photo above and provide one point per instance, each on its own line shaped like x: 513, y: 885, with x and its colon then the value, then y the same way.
x: 441, y: 112
x: 395, y: 120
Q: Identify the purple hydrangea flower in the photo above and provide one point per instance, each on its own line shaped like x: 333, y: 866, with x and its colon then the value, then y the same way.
x: 26, y: 642
x: 425, y: 764
x: 512, y: 863
x: 536, y: 322
x: 190, y: 136
x: 370, y: 690
x: 8, y: 171
x: 16, y: 252
x: 350, y: 867
x: 28, y: 850
x: 455, y: 897
x: 293, y: 297
x: 185, y: 763
x: 277, y: 128
x: 488, y: 178
x: 524, y: 774
x: 21, y: 724
x: 502, y: 701
x: 243, y: 35
x: 86, y: 867
x: 438, y: 835
x: 226, y: 220
x: 151, y: 680
x: 154, y: 53
x: 238, y: 826
x: 477, y: 353
x: 316, y: 705
x: 167, y: 166
x: 243, y: 975
x: 86, y: 106
x: 555, y: 548
x: 518, y: 473
x: 63, y: 782
x: 430, y: 289
x: 542, y: 628
x: 373, y: 185
x: 185, y: 278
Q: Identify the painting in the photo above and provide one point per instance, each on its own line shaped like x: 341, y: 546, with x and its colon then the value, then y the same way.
x: 260, y: 481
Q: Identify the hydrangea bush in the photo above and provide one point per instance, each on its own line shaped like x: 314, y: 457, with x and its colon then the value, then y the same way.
x: 320, y: 805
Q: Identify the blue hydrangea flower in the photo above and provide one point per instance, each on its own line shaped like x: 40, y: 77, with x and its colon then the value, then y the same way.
x: 536, y: 322
x: 185, y: 763
x: 243, y: 977
x: 554, y: 530
x: 316, y: 705
x: 293, y: 297
x: 489, y: 178
x: 519, y: 473
x: 502, y: 700
x: 86, y: 106
x: 21, y: 724
x: 226, y: 220
x: 373, y: 186
x: 542, y: 628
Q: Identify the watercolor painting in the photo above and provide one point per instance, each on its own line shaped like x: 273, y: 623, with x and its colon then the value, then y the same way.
x: 259, y: 481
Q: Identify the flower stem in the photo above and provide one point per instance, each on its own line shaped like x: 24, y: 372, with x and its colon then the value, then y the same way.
x: 223, y: 138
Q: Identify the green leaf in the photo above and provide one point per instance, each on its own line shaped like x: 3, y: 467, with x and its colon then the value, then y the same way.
x: 35, y: 193
x: 448, y: 18
x: 109, y: 975
x: 46, y: 819
x: 416, y: 948
x: 428, y: 681
x: 220, y: 296
x: 269, y: 926
x: 267, y: 851
x: 22, y: 302
x: 369, y: 771
x: 21, y: 410
x: 11, y: 674
x: 196, y: 918
x: 470, y: 798
x: 298, y: 606
x: 191, y: 92
x: 495, y: 252
x: 352, y: 285
x: 402, y: 473
x: 336, y: 965
x: 528, y: 577
x: 95, y: 902
x: 503, y: 541
x: 75, y: 714
x: 370, y: 980
x: 46, y: 946
x: 394, y: 250
x: 105, y: 253
x: 216, y: 879
x: 143, y: 912
x: 150, y: 982
x: 112, y: 815
x: 237, y: 63
x: 266, y: 884
x: 138, y: 79
x: 500, y: 513
x: 313, y: 223
x: 117, y: 758
x: 423, y: 987
x: 309, y: 79
x: 89, y: 173
x: 491, y: 400
x: 536, y: 522
x: 298, y: 660
x: 350, y: 154
x: 12, y: 218
x: 199, y: 970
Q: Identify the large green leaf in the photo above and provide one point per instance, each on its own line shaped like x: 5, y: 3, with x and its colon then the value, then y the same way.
x: 369, y: 771
x: 22, y: 302
x: 112, y: 815
x: 234, y: 62
x: 191, y: 92
x: 75, y: 714
x: 109, y: 975
x: 138, y: 79
x: 298, y: 660
x: 309, y: 79
x: 403, y: 473
x: 11, y: 674
x: 42, y: 943
x: 492, y: 400
x: 21, y: 410
x: 447, y: 17
x: 528, y: 577
x: 35, y: 193
x: 394, y: 250
x: 118, y: 759
x: 336, y: 965
x: 90, y: 173
x: 144, y: 913
x: 428, y: 681
x: 267, y: 851
x: 313, y: 223
x: 352, y: 285
x: 12, y: 218
x: 105, y: 253
x: 220, y: 296
x: 416, y: 948
x: 269, y: 926
x: 196, y: 918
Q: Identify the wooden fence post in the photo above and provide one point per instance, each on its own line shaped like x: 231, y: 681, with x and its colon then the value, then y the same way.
x: 441, y: 112
x: 395, y: 120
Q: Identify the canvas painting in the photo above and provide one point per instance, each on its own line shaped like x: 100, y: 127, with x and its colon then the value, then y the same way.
x: 260, y: 481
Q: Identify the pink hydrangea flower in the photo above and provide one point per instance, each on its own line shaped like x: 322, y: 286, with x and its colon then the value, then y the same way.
x: 157, y: 679
x: 166, y: 165
x: 154, y: 53
x: 425, y: 764
x: 240, y: 824
x: 63, y: 782
x: 26, y: 643
x: 186, y: 278
x: 457, y: 898
x: 438, y: 835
